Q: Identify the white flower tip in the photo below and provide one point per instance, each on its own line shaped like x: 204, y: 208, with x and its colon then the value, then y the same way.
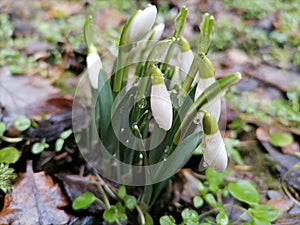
x: 94, y: 65
x: 158, y: 31
x: 214, y: 152
x: 142, y: 23
x: 161, y: 106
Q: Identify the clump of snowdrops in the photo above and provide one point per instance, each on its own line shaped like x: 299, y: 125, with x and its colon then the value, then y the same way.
x: 159, y: 103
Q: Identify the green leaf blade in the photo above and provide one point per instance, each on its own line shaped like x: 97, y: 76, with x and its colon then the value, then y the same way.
x: 244, y: 191
x: 84, y: 200
x: 9, y: 155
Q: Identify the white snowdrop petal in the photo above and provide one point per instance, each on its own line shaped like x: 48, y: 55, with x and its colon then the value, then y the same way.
x: 161, y: 106
x: 158, y: 31
x: 186, y: 59
x: 214, y: 152
x: 94, y: 66
x: 141, y: 24
x: 214, y: 106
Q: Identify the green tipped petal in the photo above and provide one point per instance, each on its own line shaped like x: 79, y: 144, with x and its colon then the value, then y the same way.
x: 157, y: 76
x: 184, y: 44
x: 210, y: 125
x: 206, y: 69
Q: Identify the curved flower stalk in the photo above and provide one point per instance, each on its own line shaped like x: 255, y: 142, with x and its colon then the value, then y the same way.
x: 207, y: 78
x: 161, y: 105
x: 213, y: 147
x: 94, y: 65
x: 139, y: 25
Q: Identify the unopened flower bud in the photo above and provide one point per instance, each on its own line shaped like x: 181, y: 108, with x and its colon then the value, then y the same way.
x: 161, y: 105
x: 214, y: 152
x: 140, y: 24
x: 94, y: 65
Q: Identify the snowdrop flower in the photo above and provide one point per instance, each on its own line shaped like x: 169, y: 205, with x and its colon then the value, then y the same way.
x: 213, y: 147
x: 161, y: 105
x: 140, y: 24
x: 206, y: 78
x: 94, y: 65
x: 156, y: 32
x: 184, y: 61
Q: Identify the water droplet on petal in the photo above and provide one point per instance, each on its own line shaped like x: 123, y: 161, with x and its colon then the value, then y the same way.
x: 142, y: 103
x: 122, y: 129
x: 141, y: 156
x: 198, y: 118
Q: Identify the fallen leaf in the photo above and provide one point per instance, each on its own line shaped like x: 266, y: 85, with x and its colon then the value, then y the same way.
x: 19, y: 94
x: 75, y: 185
x: 108, y: 18
x: 63, y: 9
x: 282, y: 204
x: 280, y: 79
x: 292, y: 149
x: 35, y: 199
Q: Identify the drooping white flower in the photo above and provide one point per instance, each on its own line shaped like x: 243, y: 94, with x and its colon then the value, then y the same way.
x: 184, y: 59
x: 161, y: 105
x: 141, y: 24
x: 213, y: 147
x: 94, y: 65
x: 156, y: 32
x: 214, y: 152
x: 207, y: 78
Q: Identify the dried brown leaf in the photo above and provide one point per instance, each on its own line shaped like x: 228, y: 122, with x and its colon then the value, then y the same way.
x: 35, y: 199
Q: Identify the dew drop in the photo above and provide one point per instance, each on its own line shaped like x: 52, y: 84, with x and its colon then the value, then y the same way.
x: 180, y: 100
x: 114, y: 164
x: 122, y: 129
x: 127, y: 141
x: 142, y: 103
x: 141, y: 156
x: 198, y: 118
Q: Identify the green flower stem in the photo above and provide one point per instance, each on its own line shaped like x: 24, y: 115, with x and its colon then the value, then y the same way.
x: 187, y: 83
x: 169, y: 55
x: 102, y: 192
x: 118, y: 80
x: 206, y: 28
x: 141, y: 214
x: 208, y: 95
x: 88, y: 34
x: 12, y: 140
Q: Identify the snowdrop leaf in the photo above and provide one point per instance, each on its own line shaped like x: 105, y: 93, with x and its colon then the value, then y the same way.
x: 105, y: 101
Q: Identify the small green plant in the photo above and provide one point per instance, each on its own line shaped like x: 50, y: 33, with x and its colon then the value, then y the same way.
x: 8, y: 155
x: 113, y: 213
x: 59, y: 143
x: 212, y: 192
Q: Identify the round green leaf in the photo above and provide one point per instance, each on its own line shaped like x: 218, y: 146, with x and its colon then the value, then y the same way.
x: 245, y: 191
x: 59, y: 143
x: 210, y: 199
x: 38, y: 147
x: 122, y: 192
x: 222, y: 217
x: 111, y: 214
x: 130, y: 202
x: 281, y: 140
x: 189, y: 215
x: 198, y: 202
x: 83, y: 200
x: 22, y: 123
x: 64, y: 135
x: 2, y: 128
x: 9, y: 155
x: 167, y: 220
